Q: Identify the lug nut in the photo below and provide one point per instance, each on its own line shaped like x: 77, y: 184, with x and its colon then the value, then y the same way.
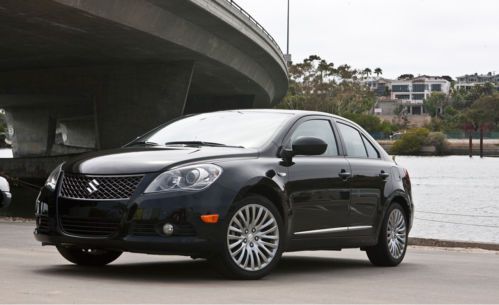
x: 245, y: 240
x: 246, y: 231
x: 254, y: 230
x: 256, y: 238
x: 251, y: 245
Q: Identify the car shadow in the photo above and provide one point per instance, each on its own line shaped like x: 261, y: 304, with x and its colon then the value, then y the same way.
x: 193, y: 271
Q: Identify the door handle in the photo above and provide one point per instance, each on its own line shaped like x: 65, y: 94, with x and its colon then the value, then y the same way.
x: 384, y: 174
x: 344, y: 174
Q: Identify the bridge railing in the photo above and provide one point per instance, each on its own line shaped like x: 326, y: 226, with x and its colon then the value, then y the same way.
x: 258, y: 25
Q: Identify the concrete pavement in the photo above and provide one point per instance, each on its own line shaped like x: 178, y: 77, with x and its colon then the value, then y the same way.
x: 30, y: 273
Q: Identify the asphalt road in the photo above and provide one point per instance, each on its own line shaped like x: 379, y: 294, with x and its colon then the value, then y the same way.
x: 30, y: 273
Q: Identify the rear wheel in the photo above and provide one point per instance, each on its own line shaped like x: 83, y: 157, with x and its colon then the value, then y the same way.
x: 253, y: 239
x: 88, y: 257
x: 392, y: 242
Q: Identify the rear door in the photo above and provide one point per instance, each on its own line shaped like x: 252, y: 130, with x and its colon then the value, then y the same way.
x: 319, y: 196
x: 369, y: 175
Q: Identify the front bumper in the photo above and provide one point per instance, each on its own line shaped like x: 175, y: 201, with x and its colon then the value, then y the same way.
x: 139, y: 244
x: 138, y: 222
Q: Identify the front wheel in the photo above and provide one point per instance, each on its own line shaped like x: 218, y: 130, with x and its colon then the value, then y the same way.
x: 88, y: 257
x: 253, y: 239
x: 392, y: 242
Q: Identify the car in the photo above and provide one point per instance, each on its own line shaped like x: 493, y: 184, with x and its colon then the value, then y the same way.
x: 397, y: 136
x: 238, y: 188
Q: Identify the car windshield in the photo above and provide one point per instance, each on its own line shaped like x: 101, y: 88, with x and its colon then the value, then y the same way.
x: 250, y: 129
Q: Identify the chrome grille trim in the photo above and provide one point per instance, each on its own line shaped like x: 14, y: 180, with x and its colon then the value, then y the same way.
x: 90, y: 187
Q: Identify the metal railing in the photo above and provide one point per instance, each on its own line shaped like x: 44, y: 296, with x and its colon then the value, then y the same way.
x: 258, y: 25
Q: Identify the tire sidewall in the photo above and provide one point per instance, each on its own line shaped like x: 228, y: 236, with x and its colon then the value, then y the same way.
x: 384, y: 240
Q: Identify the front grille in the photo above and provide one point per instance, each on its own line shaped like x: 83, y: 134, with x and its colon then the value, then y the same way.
x: 94, y: 227
x: 99, y: 187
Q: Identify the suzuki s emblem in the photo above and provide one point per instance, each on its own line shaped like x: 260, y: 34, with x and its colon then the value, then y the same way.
x: 92, y: 186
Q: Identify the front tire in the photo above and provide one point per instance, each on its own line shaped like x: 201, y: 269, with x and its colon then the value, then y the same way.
x: 253, y: 241
x: 88, y: 257
x: 392, y: 243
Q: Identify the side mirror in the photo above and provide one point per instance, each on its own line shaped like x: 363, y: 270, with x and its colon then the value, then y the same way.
x: 309, y: 146
x: 305, y: 146
x: 5, y: 196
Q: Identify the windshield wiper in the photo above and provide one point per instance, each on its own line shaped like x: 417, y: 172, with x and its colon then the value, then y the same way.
x: 201, y: 143
x: 146, y: 143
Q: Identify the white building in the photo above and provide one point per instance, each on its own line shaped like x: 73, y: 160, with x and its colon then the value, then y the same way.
x: 410, y: 93
x: 413, y: 92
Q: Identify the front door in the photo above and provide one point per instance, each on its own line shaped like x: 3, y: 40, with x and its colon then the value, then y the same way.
x: 318, y: 194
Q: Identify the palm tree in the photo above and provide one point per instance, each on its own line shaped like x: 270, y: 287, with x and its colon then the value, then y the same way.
x: 378, y: 72
x: 367, y: 72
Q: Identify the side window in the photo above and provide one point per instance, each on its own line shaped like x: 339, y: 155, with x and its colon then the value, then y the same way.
x: 371, y: 150
x: 353, y: 141
x: 319, y: 129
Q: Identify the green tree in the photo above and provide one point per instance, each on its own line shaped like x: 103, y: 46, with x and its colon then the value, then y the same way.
x: 484, y: 111
x: 378, y: 72
x: 367, y: 72
x: 406, y: 77
x: 372, y: 123
x: 436, y: 101
x: 316, y: 84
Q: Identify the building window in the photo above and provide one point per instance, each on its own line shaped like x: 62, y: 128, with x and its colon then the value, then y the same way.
x: 436, y: 87
x: 418, y: 88
x: 418, y: 97
x: 403, y: 96
x: 400, y: 88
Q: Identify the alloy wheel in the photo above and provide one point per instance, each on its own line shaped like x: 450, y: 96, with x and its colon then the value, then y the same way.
x: 396, y: 233
x: 253, y: 237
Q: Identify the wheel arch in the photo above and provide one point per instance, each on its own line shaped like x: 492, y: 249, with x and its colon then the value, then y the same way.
x: 403, y: 199
x: 269, y: 189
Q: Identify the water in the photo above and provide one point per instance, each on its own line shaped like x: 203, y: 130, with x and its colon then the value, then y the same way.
x: 456, y: 197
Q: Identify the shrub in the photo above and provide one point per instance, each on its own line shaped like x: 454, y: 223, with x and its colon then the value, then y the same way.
x: 411, y: 142
x: 439, y: 141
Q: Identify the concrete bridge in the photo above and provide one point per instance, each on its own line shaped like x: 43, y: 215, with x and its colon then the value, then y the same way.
x: 78, y: 75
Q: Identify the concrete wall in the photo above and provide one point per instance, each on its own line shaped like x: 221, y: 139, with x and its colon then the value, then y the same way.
x: 126, y: 101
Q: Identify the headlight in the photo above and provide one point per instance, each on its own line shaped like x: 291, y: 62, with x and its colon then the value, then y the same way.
x: 190, y: 178
x: 51, y: 182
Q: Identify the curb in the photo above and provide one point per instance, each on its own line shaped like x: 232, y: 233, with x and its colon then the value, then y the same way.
x: 427, y: 242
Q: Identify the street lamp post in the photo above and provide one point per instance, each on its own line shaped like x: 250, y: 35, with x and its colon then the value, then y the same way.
x: 288, y: 55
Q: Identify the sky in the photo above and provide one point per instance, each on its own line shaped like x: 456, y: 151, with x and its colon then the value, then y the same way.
x: 432, y: 37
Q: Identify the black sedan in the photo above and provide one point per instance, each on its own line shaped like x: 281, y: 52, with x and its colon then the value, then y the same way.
x: 236, y: 187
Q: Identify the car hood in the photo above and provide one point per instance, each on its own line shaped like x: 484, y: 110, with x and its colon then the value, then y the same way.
x: 147, y: 160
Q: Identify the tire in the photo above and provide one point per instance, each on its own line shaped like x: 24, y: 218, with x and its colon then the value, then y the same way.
x: 252, y: 241
x: 88, y: 257
x: 392, y: 244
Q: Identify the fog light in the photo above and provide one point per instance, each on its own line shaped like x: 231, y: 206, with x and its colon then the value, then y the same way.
x: 168, y: 229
